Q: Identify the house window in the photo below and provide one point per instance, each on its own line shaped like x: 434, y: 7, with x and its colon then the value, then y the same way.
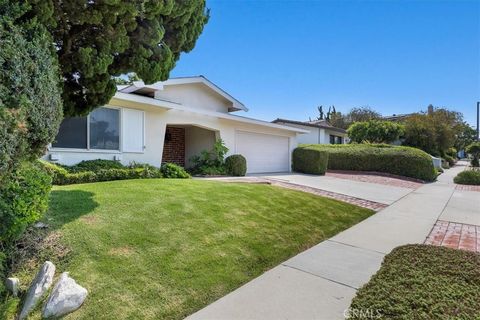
x: 72, y: 134
x: 336, y: 139
x: 104, y: 129
x: 100, y: 130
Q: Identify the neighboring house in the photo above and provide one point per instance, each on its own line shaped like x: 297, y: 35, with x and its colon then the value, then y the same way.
x: 321, y: 132
x: 171, y: 121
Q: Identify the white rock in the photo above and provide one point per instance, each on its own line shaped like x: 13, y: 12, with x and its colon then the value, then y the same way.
x: 38, y: 288
x: 12, y: 285
x: 67, y: 296
x: 40, y: 225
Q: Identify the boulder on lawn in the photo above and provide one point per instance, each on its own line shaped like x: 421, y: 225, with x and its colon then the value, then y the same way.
x: 38, y: 288
x: 12, y: 285
x: 67, y: 296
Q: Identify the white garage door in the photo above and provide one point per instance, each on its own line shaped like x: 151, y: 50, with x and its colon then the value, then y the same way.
x: 264, y: 152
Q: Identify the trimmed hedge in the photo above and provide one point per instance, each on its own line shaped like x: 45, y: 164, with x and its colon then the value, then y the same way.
x: 63, y: 176
x: 403, y: 161
x: 470, y: 177
x: 95, y: 165
x: 236, y: 165
x: 23, y: 200
x: 308, y: 159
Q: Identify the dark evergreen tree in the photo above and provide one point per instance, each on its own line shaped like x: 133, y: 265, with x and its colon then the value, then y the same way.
x: 97, y: 40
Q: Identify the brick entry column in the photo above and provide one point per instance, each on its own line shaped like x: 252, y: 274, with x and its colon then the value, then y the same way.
x: 174, y: 146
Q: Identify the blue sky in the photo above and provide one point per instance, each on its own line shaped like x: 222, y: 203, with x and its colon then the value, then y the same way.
x: 284, y: 58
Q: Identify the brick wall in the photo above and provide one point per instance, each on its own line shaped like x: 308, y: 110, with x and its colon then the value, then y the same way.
x: 174, y: 146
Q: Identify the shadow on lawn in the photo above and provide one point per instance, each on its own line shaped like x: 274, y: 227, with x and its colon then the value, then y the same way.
x: 40, y: 244
x: 69, y: 205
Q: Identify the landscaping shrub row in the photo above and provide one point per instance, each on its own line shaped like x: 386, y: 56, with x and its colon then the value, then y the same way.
x: 310, y: 160
x: 403, y: 161
x: 107, y: 170
x: 470, y: 177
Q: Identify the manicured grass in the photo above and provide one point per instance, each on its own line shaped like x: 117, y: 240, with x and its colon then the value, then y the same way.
x: 423, y: 282
x: 163, y: 249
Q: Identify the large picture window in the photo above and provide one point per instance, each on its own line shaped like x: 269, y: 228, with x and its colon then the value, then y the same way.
x: 100, y: 130
x: 72, y: 134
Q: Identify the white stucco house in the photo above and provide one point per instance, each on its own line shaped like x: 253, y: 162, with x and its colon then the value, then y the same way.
x: 320, y: 131
x: 171, y: 121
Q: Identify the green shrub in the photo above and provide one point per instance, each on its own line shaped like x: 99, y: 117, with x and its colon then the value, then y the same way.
x: 445, y: 164
x: 471, y: 177
x: 310, y: 160
x: 236, y: 165
x: 210, y: 162
x: 3, y: 259
x: 57, y: 172
x: 474, y: 150
x: 375, y: 131
x: 95, y: 165
x: 23, y: 200
x: 61, y: 175
x: 452, y: 152
x: 449, y: 159
x: 30, y: 95
x: 171, y: 170
x: 403, y: 161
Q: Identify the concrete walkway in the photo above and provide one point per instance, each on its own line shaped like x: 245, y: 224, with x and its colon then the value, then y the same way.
x: 320, y: 283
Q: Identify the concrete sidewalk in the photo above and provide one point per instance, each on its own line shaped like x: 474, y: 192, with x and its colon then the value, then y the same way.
x: 320, y: 283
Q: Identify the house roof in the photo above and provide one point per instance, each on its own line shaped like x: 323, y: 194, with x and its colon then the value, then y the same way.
x: 169, y: 105
x: 323, y: 124
x: 141, y: 87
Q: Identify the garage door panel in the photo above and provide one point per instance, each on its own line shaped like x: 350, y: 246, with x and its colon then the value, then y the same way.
x: 264, y: 152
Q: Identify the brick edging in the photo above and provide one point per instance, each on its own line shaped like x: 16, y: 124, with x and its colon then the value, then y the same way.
x: 376, y: 206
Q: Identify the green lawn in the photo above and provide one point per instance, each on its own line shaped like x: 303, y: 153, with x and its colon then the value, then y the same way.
x: 163, y: 249
x: 423, y: 282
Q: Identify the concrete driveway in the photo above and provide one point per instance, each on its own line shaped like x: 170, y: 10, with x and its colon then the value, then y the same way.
x: 364, y: 190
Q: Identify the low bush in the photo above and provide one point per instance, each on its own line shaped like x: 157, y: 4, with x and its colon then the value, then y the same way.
x: 310, y: 160
x: 62, y: 175
x: 23, y: 200
x: 236, y: 165
x: 95, y: 165
x: 403, y: 161
x: 474, y: 150
x: 173, y: 171
x: 210, y: 162
x: 422, y: 282
x: 449, y: 159
x: 471, y: 177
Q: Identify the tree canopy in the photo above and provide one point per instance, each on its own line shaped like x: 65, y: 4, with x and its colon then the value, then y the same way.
x: 98, y: 40
x: 375, y: 131
x: 436, y: 131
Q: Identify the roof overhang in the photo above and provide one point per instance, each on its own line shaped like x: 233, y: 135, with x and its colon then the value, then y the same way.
x: 168, y: 105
